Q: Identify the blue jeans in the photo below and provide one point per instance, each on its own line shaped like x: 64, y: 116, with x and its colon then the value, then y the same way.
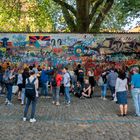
x: 136, y: 98
x: 112, y: 89
x: 67, y: 94
x: 56, y: 93
x: 44, y: 90
x: 9, y: 92
x: 103, y: 90
x: 23, y: 94
x: 29, y: 101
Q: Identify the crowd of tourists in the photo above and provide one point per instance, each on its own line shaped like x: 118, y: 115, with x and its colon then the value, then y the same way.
x: 35, y: 81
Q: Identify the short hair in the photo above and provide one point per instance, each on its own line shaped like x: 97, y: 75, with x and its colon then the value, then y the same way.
x: 136, y: 69
x: 32, y: 72
x: 66, y: 68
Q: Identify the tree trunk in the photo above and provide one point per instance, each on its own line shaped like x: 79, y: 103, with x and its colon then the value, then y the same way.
x: 83, y: 20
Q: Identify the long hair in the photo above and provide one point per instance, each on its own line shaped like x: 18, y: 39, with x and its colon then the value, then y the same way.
x: 122, y: 75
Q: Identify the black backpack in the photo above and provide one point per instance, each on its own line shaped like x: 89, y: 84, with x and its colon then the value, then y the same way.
x: 30, y: 89
x: 54, y: 84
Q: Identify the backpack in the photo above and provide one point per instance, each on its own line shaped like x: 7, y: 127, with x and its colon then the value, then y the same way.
x: 70, y: 77
x: 100, y: 81
x: 30, y: 91
x: 54, y: 84
x: 80, y: 73
x: 7, y: 80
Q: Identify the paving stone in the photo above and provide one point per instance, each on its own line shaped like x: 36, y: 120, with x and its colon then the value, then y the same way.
x: 89, y: 119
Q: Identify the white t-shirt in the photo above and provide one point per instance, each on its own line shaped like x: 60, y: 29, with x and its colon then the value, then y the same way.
x: 121, y: 85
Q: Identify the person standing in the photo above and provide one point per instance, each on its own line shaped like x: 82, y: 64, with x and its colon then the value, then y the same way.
x: 19, y: 83
x: 44, y: 81
x: 80, y: 74
x: 25, y: 75
x: 104, y: 85
x: 111, y: 81
x: 9, y: 78
x: 66, y: 81
x: 121, y: 89
x: 91, y: 79
x: 32, y: 79
x: 135, y: 89
x: 56, y: 83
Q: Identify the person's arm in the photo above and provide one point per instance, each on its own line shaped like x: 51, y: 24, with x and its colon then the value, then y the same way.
x: 36, y: 84
x: 87, y: 89
x: 11, y: 76
x: 132, y: 82
x: 117, y: 85
x: 126, y: 85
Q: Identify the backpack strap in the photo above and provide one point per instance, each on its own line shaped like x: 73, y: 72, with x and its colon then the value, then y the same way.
x: 28, y: 80
x: 33, y: 81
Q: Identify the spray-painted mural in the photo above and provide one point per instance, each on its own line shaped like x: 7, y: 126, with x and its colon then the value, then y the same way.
x: 63, y: 49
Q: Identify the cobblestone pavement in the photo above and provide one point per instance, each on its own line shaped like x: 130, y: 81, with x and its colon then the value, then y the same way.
x: 87, y: 119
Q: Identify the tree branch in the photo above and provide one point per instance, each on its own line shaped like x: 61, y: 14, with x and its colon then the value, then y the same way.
x: 102, y: 15
x: 66, y: 5
x: 94, y: 9
x: 69, y: 19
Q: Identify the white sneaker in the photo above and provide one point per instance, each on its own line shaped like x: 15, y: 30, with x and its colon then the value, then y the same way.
x: 24, y: 119
x: 53, y: 102
x: 68, y: 103
x: 6, y: 101
x: 22, y: 102
x: 9, y: 103
x: 101, y: 97
x: 104, y: 99
x: 33, y: 120
x: 57, y: 103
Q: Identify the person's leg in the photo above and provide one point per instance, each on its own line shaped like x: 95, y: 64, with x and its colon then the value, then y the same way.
x: 9, y: 93
x: 57, y: 94
x: 54, y: 94
x: 78, y: 95
x: 139, y: 104
x: 33, y: 108
x: 7, y: 88
x: 42, y: 89
x: 121, y: 110
x: 125, y: 109
x: 104, y: 90
x: 89, y: 92
x: 135, y: 98
x: 22, y: 96
x: 27, y: 107
x: 67, y: 94
x: 45, y: 89
x: 112, y: 89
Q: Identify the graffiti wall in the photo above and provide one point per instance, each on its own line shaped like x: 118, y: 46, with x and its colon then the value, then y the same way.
x: 63, y: 49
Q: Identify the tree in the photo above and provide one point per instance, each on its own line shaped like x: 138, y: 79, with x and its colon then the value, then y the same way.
x: 92, y: 15
x: 88, y: 14
x: 24, y: 16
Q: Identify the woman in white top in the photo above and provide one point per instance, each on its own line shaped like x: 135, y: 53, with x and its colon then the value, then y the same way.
x: 121, y: 89
x: 19, y: 83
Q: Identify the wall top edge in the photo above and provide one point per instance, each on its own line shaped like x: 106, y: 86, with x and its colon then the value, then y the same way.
x: 70, y: 33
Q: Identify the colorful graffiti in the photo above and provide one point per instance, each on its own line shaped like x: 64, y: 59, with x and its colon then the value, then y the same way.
x: 58, y: 49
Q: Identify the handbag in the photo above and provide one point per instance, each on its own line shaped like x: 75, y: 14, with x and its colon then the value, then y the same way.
x: 15, y: 89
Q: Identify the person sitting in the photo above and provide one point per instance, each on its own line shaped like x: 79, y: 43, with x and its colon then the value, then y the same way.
x: 87, y: 90
x: 78, y: 89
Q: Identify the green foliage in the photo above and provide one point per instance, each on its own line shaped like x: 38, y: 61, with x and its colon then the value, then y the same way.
x: 67, y: 15
x: 24, y: 16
